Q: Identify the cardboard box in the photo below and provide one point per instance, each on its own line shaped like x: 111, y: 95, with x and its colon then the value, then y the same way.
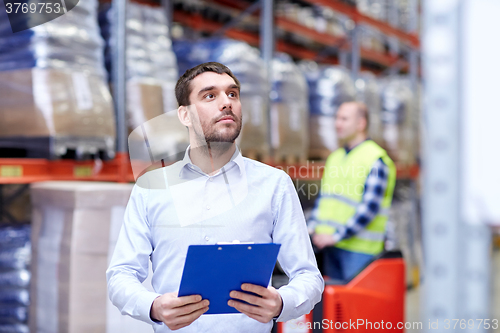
x: 289, y: 131
x: 74, y: 230
x: 323, y: 137
x: 253, y: 136
x: 48, y: 102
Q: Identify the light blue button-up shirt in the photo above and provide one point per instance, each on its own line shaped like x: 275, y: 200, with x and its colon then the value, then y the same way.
x: 179, y: 205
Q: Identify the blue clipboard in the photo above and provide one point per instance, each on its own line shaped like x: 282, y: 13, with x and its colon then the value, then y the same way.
x: 213, y: 271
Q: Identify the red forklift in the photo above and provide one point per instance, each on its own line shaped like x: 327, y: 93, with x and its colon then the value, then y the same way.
x: 372, y: 301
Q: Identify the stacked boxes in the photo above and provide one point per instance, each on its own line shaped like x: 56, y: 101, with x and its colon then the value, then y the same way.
x: 289, y: 111
x: 151, y: 64
x: 398, y: 119
x: 329, y: 87
x: 52, y: 84
x: 74, y: 229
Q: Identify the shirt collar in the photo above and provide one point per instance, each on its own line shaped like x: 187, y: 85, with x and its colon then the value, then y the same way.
x: 237, y: 158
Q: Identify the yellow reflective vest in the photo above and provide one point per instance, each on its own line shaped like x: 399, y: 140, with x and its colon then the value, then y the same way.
x: 342, y: 188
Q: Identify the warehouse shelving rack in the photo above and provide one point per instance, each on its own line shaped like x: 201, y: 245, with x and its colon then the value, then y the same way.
x: 24, y: 171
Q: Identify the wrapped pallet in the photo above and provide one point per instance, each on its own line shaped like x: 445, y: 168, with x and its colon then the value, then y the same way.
x: 398, y: 120
x: 368, y: 92
x: 246, y: 64
x: 370, y: 38
x: 151, y: 70
x: 53, y: 88
x: 289, y: 111
x: 329, y: 87
x: 74, y: 231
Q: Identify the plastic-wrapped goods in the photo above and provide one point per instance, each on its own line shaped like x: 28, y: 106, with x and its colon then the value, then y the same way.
x: 52, y: 86
x: 368, y: 92
x: 15, y: 257
x: 13, y: 314
x: 371, y: 38
x: 15, y: 278
x: 71, y: 41
x: 398, y: 109
x: 14, y: 296
x: 289, y: 110
x: 14, y: 328
x: 329, y: 87
x: 151, y: 73
x: 14, y: 236
x: 246, y: 64
x: 75, y: 227
x: 149, y: 49
x: 74, y: 108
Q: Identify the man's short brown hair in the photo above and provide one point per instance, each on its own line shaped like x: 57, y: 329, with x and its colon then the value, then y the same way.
x: 363, y: 113
x: 183, y: 87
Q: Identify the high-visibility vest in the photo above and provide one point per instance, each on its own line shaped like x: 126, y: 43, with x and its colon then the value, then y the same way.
x: 342, y: 188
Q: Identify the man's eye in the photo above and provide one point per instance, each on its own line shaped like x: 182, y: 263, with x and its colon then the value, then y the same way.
x: 209, y: 96
x: 232, y: 94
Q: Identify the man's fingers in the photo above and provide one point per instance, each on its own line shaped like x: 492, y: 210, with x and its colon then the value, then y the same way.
x: 245, y: 308
x: 183, y: 300
x: 259, y: 290
x: 189, y: 318
x: 252, y: 299
x: 190, y: 308
x: 186, y: 320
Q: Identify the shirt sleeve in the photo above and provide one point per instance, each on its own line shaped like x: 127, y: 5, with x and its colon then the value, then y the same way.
x: 368, y: 208
x: 296, y: 255
x: 130, y: 261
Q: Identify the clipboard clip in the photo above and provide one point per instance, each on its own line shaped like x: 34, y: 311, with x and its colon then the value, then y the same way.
x: 234, y: 242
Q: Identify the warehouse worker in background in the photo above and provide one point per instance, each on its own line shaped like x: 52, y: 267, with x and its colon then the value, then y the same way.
x: 212, y: 195
x: 349, y: 219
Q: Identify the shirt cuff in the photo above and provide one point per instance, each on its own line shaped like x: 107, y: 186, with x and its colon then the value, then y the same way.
x: 145, y: 302
x: 287, y: 298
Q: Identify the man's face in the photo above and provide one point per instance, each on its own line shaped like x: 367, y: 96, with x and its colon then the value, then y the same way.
x: 348, y: 122
x: 216, y: 100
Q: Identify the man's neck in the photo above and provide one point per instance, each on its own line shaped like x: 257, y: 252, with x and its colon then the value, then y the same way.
x: 212, y: 157
x: 360, y: 137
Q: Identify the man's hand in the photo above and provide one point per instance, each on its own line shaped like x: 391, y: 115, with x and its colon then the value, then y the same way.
x: 264, y: 308
x: 321, y: 240
x: 177, y: 312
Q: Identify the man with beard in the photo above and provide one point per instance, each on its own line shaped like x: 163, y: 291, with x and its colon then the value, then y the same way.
x: 213, y: 195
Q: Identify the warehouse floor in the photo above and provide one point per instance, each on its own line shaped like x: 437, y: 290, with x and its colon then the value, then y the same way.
x: 413, y: 297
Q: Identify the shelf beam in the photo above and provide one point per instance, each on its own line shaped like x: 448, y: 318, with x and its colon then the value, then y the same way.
x: 351, y: 12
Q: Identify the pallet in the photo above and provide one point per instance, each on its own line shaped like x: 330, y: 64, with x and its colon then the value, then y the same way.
x: 258, y: 155
x: 289, y: 159
x: 319, y: 154
x: 57, y: 147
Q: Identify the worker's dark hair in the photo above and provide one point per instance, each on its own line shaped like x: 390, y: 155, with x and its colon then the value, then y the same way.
x: 183, y: 87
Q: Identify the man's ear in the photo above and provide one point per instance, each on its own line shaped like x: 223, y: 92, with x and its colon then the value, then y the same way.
x: 183, y: 114
x: 363, y: 125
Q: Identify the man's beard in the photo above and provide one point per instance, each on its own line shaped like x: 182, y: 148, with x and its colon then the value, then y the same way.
x: 212, y: 135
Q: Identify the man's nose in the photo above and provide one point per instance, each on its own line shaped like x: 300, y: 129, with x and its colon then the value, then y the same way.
x: 225, y: 103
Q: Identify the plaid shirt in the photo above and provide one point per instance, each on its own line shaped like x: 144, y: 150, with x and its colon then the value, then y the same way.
x: 367, y: 209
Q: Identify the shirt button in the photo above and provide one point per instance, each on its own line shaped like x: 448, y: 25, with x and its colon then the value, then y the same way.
x: 206, y: 238
x: 208, y: 207
x: 211, y: 179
